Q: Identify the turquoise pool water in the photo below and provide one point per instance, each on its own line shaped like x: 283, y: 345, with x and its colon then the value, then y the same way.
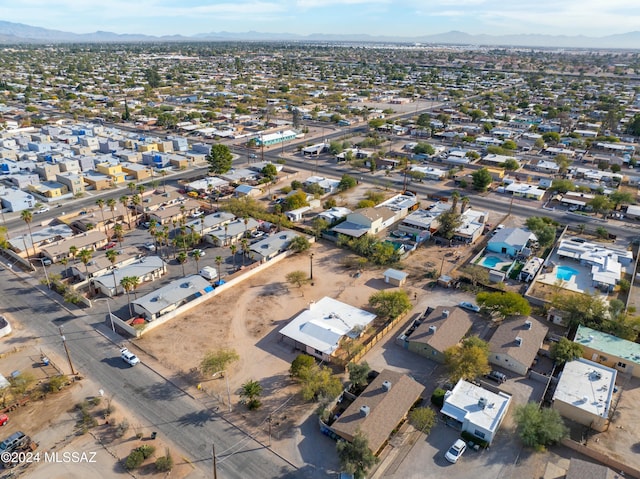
x: 491, y: 261
x: 565, y: 273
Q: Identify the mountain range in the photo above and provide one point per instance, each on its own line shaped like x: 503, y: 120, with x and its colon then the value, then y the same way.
x: 17, y: 33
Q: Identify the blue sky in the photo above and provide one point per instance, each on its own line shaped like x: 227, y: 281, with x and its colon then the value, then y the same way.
x: 378, y: 17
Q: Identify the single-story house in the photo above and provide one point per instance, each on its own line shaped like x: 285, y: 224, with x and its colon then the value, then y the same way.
x: 273, y: 245
x: 147, y: 268
x: 380, y: 409
x: 170, y: 297
x: 443, y: 328
x: 510, y: 241
x: 319, y: 329
x: 609, y: 350
x: 584, y: 393
x: 395, y: 277
x: 515, y: 344
x: 366, y: 220
x: 475, y: 410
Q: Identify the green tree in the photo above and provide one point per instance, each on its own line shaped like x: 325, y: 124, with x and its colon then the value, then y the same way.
x: 299, y: 244
x: 301, y: 362
x: 600, y: 204
x: 85, y: 256
x: 269, y: 171
x: 481, y: 179
x: 424, y: 149
x: 620, y: 198
x: 297, y: 278
x: 565, y: 351
x: 220, y: 159
x: 449, y: 221
x: 355, y: 457
x: 318, y: 381
x: 294, y: 201
x: 505, y: 303
x: 467, y: 360
x: 539, y: 427
x: 423, y: 419
x: 563, y: 162
x: 509, y: 145
x: 250, y: 392
x: 358, y: 373
x: 544, y: 228
x: 390, y: 304
x: 216, y: 361
x: 562, y: 186
x: 346, y: 182
x: 319, y: 225
x: 511, y: 164
x: 551, y: 137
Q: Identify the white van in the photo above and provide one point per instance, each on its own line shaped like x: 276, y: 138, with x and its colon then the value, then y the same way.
x: 208, y: 272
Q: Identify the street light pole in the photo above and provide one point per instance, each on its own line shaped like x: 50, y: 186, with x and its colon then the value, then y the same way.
x: 66, y: 349
x: 106, y: 300
x: 224, y: 372
x: 45, y: 272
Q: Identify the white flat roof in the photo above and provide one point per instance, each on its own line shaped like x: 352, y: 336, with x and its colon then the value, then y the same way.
x: 587, y: 386
x: 463, y: 402
x: 324, y: 323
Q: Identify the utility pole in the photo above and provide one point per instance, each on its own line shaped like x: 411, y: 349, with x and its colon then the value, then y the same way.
x: 64, y: 342
x: 311, y: 266
x: 215, y: 466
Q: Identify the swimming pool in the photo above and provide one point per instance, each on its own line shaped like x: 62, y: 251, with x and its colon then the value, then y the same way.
x: 565, y: 273
x: 491, y: 261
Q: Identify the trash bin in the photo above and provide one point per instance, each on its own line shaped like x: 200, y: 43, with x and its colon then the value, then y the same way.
x: 45, y: 361
x: 153, y: 434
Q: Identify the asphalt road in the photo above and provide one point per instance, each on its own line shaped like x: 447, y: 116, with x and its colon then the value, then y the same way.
x: 159, y: 404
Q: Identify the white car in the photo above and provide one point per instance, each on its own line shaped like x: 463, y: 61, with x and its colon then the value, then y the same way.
x: 201, y: 252
x: 128, y: 357
x: 149, y: 246
x: 470, y: 306
x: 43, y: 209
x: 455, y: 451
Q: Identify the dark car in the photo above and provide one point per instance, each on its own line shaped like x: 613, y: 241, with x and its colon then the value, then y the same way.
x: 497, y: 376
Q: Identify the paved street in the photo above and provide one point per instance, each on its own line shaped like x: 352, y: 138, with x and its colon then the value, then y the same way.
x: 159, y: 404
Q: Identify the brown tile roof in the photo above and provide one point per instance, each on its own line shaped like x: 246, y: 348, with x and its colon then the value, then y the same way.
x: 449, y: 330
x: 376, y: 213
x: 504, y: 341
x: 387, y: 408
x: 579, y: 469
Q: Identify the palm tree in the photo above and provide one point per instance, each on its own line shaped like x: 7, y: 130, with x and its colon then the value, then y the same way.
x: 226, y: 230
x: 124, y: 201
x: 85, y: 256
x: 196, y: 256
x: 245, y: 248
x: 129, y: 283
x: 112, y: 256
x: 141, y: 189
x: 164, y: 173
x: 233, y: 249
x: 465, y: 203
x: 202, y: 226
x: 100, y: 203
x: 118, y: 233
x: 132, y: 186
x: 64, y: 262
x: 73, y: 251
x: 182, y: 259
x: 135, y: 202
x: 27, y: 217
x: 246, y: 222
x: 455, y: 196
x: 111, y: 203
x: 218, y: 261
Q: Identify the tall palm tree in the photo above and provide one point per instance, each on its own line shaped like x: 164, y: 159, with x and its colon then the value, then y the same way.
x: 196, y: 257
x: 132, y: 186
x: 135, y: 202
x: 112, y: 256
x: 233, y: 249
x: 111, y: 203
x: 85, y: 256
x: 141, y: 189
x: 73, y: 251
x: 465, y: 203
x: 202, y: 226
x: 455, y: 196
x: 100, y: 203
x: 27, y: 217
x: 163, y: 173
x: 245, y: 248
x: 129, y: 283
x: 182, y: 259
x: 246, y: 223
x: 124, y: 201
x: 218, y: 261
x: 64, y: 262
x: 118, y: 232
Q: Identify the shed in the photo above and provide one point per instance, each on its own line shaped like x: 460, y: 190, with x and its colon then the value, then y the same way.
x: 496, y: 276
x: 445, y: 281
x: 395, y: 277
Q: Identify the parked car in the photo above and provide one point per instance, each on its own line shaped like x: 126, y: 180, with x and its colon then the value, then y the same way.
x: 200, y: 252
x: 17, y: 440
x: 496, y: 376
x: 149, y: 246
x: 110, y: 245
x: 42, y: 209
x: 46, y: 262
x: 128, y: 357
x: 469, y: 306
x: 4, y: 419
x: 455, y: 451
x: 257, y: 234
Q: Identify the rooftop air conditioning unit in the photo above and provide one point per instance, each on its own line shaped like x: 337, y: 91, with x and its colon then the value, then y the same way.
x: 482, y: 402
x: 364, y: 411
x: 518, y: 340
x: 528, y: 324
x: 432, y: 329
x: 445, y: 313
x: 386, y: 385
